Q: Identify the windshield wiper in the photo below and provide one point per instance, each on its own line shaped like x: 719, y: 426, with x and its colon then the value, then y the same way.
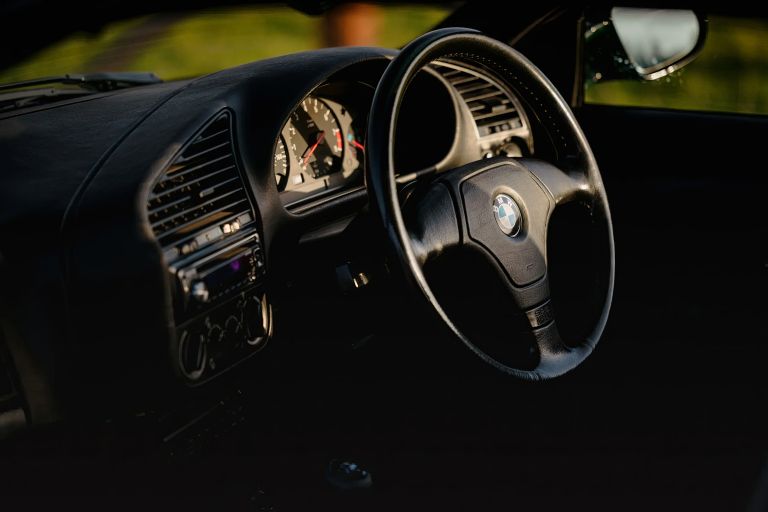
x: 100, y: 82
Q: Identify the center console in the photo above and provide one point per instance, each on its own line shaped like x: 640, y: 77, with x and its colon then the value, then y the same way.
x: 207, y: 225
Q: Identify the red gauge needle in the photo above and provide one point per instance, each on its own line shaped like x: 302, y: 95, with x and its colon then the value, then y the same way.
x: 311, y: 149
x: 358, y: 145
x: 338, y: 141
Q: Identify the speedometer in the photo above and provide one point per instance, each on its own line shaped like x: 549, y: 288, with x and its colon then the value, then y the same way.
x: 316, y: 138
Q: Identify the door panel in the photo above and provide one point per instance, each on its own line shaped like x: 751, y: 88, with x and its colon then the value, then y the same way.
x: 688, y: 198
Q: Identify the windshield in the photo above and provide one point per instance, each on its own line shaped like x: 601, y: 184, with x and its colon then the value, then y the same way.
x: 189, y: 44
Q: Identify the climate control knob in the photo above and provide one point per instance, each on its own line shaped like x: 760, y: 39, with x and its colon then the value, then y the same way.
x: 192, y: 354
x: 255, y: 320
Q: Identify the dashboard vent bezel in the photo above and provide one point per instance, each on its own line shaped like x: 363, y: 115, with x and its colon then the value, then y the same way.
x: 496, y: 111
x: 201, y: 196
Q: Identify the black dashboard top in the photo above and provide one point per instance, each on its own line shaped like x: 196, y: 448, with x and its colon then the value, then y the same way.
x: 50, y: 151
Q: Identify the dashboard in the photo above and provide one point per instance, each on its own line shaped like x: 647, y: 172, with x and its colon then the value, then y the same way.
x: 160, y: 237
x: 207, y: 223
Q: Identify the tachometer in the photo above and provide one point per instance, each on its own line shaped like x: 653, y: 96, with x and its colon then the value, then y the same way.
x: 316, y: 138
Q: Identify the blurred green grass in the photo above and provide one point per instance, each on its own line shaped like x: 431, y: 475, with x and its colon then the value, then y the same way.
x: 729, y: 75
x: 188, y: 45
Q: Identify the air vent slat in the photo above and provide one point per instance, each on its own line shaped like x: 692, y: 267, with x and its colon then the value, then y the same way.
x: 165, y: 206
x: 200, y: 198
x: 189, y: 211
x: 494, y: 113
x: 207, y: 137
x: 465, y: 79
x: 208, y: 219
x: 450, y: 72
x: 475, y: 86
x: 179, y: 171
x: 185, y: 184
x: 180, y: 240
x: 206, y: 145
x: 485, y: 96
x: 203, y: 152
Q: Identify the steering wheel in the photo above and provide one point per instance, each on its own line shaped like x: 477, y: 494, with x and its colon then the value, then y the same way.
x: 500, y: 208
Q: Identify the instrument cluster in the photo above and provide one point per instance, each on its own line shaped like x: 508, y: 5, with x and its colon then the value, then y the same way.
x: 320, y: 149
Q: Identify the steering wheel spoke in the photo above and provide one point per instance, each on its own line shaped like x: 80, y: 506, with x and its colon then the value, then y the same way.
x: 432, y: 224
x: 553, y: 352
x: 564, y: 187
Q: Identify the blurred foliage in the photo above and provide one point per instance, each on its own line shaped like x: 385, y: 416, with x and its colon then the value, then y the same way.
x: 185, y: 45
x: 729, y: 75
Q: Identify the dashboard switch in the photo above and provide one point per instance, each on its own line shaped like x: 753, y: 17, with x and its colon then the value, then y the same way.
x: 200, y: 292
x: 350, y: 280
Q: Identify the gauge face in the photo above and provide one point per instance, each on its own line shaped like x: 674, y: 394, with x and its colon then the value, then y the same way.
x: 316, y: 138
x: 281, y: 164
x: 318, y: 150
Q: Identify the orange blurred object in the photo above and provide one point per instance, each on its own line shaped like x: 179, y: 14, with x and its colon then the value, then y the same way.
x: 354, y: 24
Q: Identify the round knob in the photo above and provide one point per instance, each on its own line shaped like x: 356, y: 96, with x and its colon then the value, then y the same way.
x: 199, y: 291
x: 192, y: 354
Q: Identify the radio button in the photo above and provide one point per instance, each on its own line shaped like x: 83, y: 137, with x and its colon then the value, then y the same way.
x: 199, y: 291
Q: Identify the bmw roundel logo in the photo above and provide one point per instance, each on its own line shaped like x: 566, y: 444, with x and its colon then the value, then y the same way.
x: 507, y: 214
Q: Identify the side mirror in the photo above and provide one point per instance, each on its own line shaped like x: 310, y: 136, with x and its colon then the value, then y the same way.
x: 641, y: 44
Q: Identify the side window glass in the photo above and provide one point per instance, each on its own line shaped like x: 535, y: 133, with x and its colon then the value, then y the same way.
x: 664, y: 58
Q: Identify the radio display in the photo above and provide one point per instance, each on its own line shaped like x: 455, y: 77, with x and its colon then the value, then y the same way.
x: 226, y: 272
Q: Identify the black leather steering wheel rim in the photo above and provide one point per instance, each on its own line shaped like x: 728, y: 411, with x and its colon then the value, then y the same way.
x: 570, y: 146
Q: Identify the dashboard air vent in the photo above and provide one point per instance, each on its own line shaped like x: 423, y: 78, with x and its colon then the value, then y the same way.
x: 493, y: 109
x: 200, y: 198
